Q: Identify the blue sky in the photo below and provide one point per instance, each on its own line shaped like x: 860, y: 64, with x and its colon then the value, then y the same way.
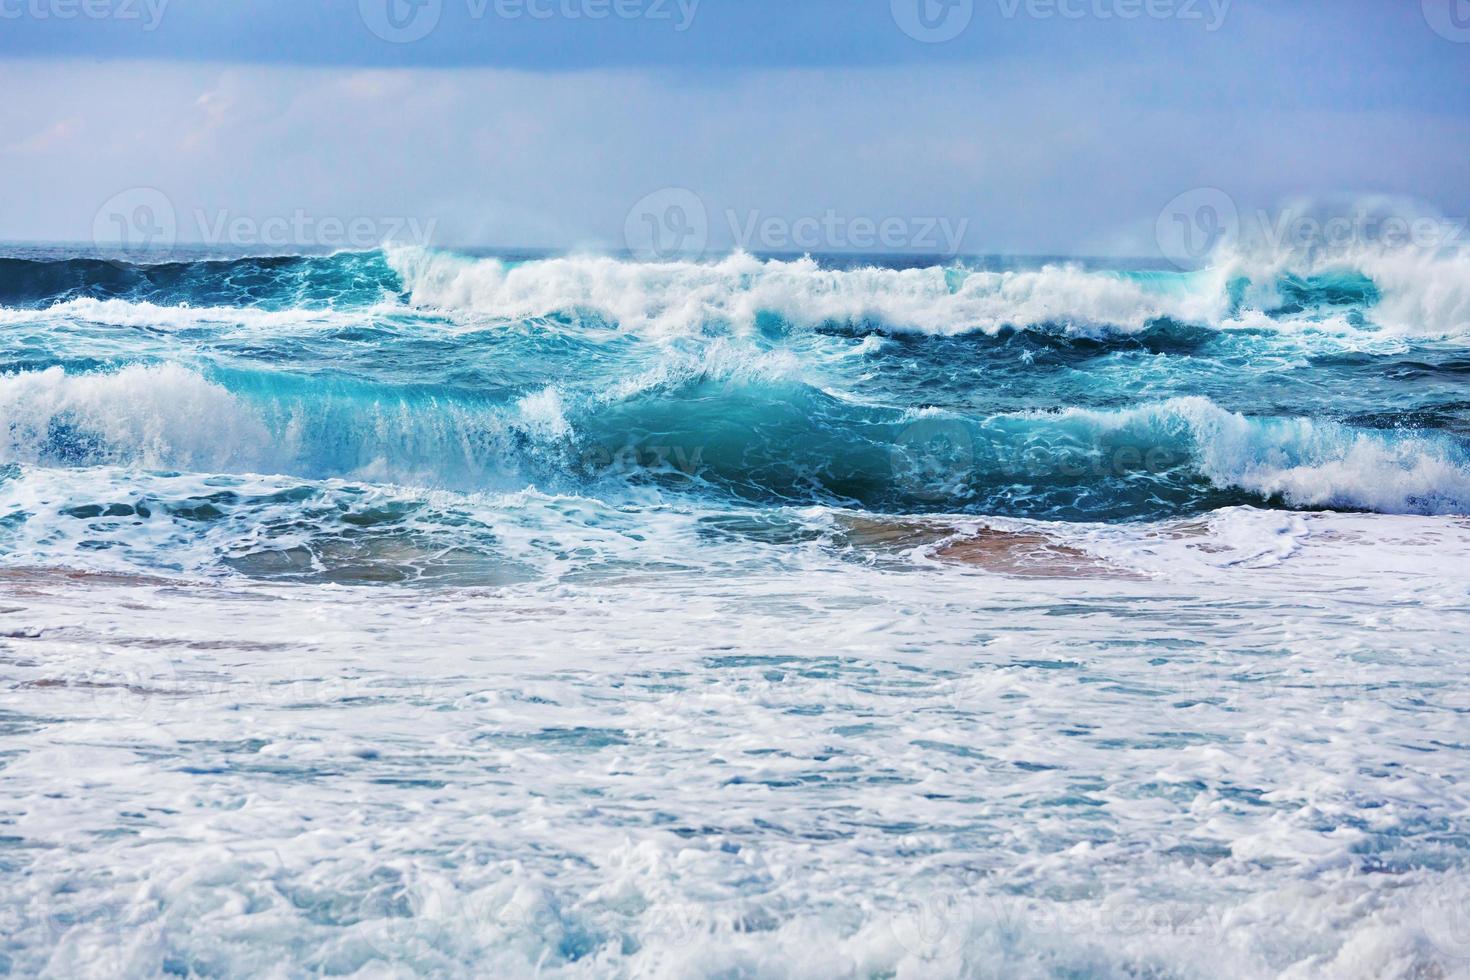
x: 1043, y: 125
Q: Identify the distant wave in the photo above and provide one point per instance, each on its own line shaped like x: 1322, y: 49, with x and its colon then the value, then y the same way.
x: 271, y: 283
x: 1413, y: 293
x: 1403, y: 291
x: 742, y: 291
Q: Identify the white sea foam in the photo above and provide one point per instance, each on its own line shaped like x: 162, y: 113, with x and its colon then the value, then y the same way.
x: 728, y: 755
x: 171, y: 417
x: 1421, y: 294
x: 1309, y: 462
x: 544, y: 415
x: 683, y: 297
x: 720, y: 359
x: 157, y: 416
x: 156, y: 316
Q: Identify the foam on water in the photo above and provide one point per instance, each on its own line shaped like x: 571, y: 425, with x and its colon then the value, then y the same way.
x: 1414, y: 292
x: 1419, y: 292
x: 1310, y: 463
x: 762, y: 759
x: 126, y: 313
x: 158, y: 417
x: 680, y: 297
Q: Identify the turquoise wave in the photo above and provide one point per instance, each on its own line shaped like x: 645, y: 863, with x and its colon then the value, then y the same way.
x: 350, y: 415
x: 756, y: 440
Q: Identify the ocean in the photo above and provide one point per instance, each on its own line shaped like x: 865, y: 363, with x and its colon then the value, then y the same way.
x: 409, y: 612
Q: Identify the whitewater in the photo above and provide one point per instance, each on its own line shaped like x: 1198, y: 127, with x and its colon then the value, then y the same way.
x: 412, y: 612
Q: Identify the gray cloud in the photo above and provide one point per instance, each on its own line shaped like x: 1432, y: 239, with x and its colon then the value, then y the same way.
x: 1035, y: 162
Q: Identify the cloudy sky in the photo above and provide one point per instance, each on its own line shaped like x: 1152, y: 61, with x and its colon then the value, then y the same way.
x: 1031, y: 126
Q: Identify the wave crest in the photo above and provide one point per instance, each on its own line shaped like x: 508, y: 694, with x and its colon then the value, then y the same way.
x: 1406, y: 291
x: 1307, y: 462
x: 162, y: 416
x: 767, y: 439
x: 741, y: 290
